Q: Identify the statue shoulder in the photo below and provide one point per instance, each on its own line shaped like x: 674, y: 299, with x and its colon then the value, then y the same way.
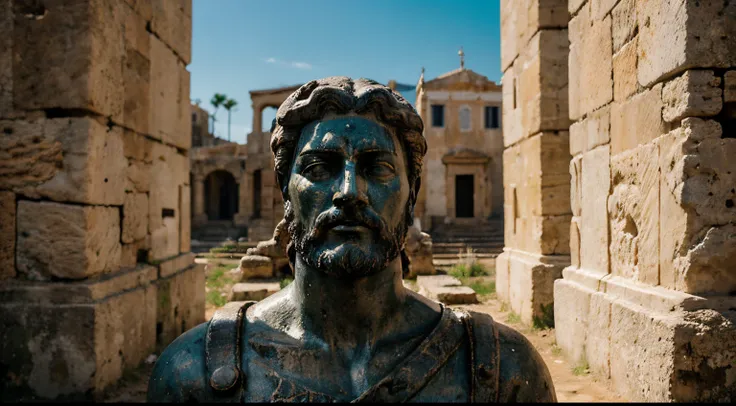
x: 507, y: 367
x: 180, y: 372
x: 524, y: 376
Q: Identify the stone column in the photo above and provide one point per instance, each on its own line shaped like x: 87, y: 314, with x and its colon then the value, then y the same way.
x: 648, y: 298
x: 94, y: 199
x: 534, y: 51
x: 199, y: 216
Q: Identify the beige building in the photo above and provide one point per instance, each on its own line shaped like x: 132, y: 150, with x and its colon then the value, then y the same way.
x: 462, y: 179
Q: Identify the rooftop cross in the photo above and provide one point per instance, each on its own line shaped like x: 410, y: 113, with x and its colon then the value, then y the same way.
x: 462, y: 58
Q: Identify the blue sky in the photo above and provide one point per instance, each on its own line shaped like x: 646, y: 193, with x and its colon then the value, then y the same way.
x: 244, y: 45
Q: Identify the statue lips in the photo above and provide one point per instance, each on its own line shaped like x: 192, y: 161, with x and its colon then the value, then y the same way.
x: 355, y: 222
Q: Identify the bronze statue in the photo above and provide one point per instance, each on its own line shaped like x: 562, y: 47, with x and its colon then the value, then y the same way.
x: 348, y: 156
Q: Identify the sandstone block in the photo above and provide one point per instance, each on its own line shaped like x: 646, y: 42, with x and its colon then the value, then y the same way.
x: 576, y: 169
x: 185, y: 228
x: 169, y: 86
x: 590, y: 64
x: 135, y: 252
x: 6, y: 58
x: 90, y: 243
x: 531, y: 285
x: 175, y: 264
x: 137, y: 177
x: 172, y: 22
x: 445, y: 289
x: 695, y: 93
x: 136, y: 73
x: 729, y: 88
x: 502, y: 276
x: 572, y: 304
x: 142, y: 8
x: 596, y: 181
x: 72, y: 58
x: 598, y: 339
x: 180, y: 304
x: 135, y: 217
x: 509, y: 42
x: 137, y: 147
x: 93, y: 341
x: 575, y: 242
x: 591, y: 132
x: 624, y: 25
x: 7, y: 235
x: 511, y: 120
x: 168, y: 171
x: 637, y: 120
x: 599, y: 8
x: 555, y: 235
x: 71, y: 159
x: 633, y: 210
x: 256, y: 266
x: 253, y: 291
x: 624, y: 72
x: 696, y: 33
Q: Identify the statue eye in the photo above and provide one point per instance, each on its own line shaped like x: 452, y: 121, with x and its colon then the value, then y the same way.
x: 317, y: 171
x: 380, y: 170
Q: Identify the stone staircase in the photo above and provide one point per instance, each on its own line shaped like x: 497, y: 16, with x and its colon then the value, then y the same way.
x: 214, y: 233
x: 448, y: 240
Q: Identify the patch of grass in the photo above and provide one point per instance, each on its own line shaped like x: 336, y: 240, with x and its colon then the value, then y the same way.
x: 483, y: 288
x: 466, y: 271
x: 582, y: 368
x: 285, y: 282
x: 513, y: 318
x: 504, y: 307
x: 217, y: 279
x: 556, y: 350
x: 215, y: 298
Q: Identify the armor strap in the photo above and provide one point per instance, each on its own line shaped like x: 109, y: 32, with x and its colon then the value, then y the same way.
x: 485, y: 357
x: 222, y: 348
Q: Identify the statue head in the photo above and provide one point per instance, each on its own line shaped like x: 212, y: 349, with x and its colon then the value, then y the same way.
x: 348, y: 160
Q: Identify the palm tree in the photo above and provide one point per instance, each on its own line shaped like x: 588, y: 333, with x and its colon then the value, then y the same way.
x: 217, y: 100
x: 228, y: 105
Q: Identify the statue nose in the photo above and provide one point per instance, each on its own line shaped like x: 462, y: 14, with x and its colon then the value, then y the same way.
x: 350, y: 192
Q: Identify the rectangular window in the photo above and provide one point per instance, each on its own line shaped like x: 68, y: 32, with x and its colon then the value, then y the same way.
x: 438, y: 115
x: 492, y: 120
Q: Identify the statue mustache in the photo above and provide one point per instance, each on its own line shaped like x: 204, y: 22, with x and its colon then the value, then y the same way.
x: 366, y: 217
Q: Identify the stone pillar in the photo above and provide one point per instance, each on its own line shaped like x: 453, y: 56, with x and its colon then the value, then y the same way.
x: 94, y: 198
x: 199, y: 216
x: 244, y: 197
x: 534, y: 53
x: 648, y: 298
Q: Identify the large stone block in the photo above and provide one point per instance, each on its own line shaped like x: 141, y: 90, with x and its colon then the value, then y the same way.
x: 185, y: 212
x: 697, y: 33
x: 695, y: 93
x: 66, y: 241
x: 180, y: 303
x: 168, y: 171
x: 572, y: 304
x: 624, y: 24
x: 729, y: 86
x: 71, y: 58
x: 637, y: 121
x: 136, y: 73
x: 633, y: 210
x: 598, y: 340
x: 576, y: 179
x: 71, y: 340
x: 698, y: 174
x: 172, y: 22
x: 520, y: 20
x: 169, y: 118
x: 531, y: 285
x: 7, y: 235
x: 502, y: 275
x: 64, y: 159
x: 591, y: 132
x: 6, y: 58
x: 256, y: 267
x: 596, y: 182
x: 624, y: 72
x: 575, y: 242
x: 135, y: 217
x: 590, y: 64
x: 253, y: 291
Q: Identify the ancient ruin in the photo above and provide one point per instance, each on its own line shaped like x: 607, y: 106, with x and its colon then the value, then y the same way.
x: 635, y: 97
x: 94, y: 192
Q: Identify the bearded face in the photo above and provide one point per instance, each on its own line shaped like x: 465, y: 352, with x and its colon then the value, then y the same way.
x: 348, y: 196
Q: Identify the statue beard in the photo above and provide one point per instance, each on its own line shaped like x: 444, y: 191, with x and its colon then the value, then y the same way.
x: 346, y: 260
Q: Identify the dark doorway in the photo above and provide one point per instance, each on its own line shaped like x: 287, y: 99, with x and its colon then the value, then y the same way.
x: 464, y: 194
x: 221, y: 195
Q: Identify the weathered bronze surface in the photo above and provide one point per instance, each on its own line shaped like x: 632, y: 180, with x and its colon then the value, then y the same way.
x: 348, y: 158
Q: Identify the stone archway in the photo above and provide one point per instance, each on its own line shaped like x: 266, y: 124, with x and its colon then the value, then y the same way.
x: 220, y: 195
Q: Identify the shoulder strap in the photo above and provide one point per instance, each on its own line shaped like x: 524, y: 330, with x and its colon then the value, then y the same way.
x: 222, y: 348
x: 485, y: 359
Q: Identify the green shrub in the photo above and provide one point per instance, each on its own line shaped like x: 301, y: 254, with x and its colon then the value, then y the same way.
x: 215, y: 298
x: 466, y: 271
x: 285, y: 282
x: 483, y: 288
x: 513, y: 318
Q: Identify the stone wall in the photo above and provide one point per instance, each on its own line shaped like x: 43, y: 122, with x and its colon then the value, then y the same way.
x: 534, y: 52
x: 94, y: 191
x: 648, y: 300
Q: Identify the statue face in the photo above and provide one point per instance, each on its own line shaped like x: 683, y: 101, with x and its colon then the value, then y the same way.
x: 348, y: 193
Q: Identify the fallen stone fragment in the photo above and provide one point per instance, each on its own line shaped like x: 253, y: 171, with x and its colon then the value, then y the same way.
x: 253, y: 291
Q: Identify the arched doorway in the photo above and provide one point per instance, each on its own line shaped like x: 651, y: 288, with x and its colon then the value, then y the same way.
x: 221, y: 195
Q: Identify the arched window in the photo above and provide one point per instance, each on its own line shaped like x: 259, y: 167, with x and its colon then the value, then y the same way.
x: 465, y: 118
